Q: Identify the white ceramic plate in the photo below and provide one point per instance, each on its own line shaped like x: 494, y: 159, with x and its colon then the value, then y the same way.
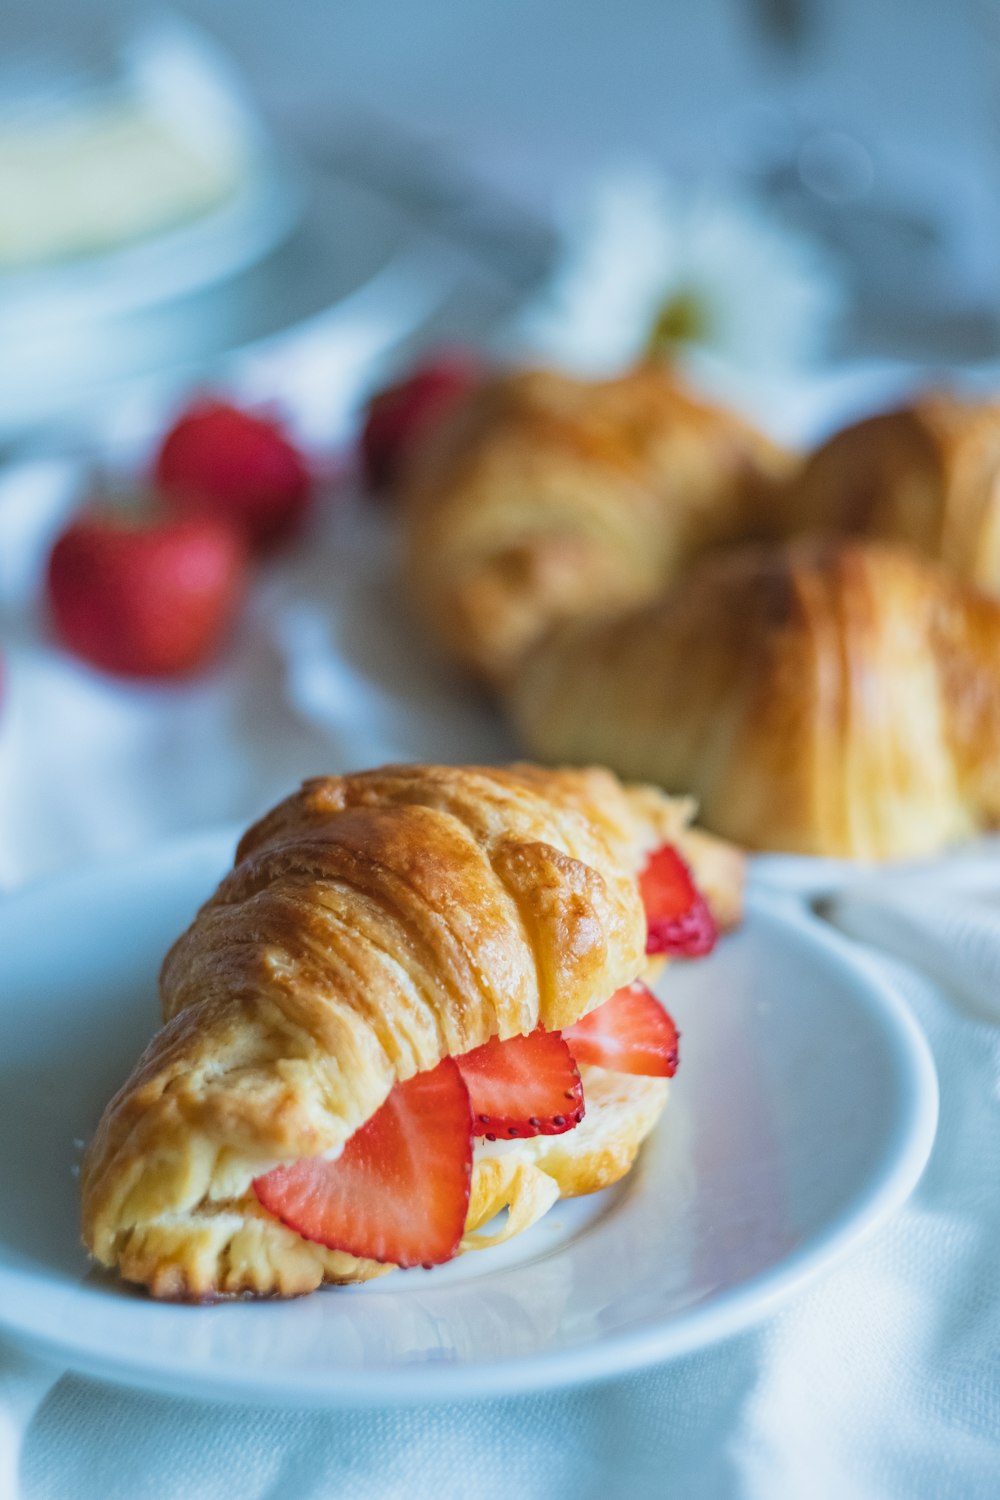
x: 347, y: 243
x: 261, y: 210
x: 803, y: 1113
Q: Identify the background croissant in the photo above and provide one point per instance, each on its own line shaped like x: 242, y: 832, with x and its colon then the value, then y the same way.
x: 833, y: 699
x: 927, y: 474
x: 547, y: 498
x: 372, y: 925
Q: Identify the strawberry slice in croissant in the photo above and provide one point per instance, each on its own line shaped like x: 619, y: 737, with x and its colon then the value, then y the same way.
x: 368, y: 1039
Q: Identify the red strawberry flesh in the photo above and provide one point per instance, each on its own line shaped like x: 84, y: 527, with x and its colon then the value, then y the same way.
x: 526, y: 1085
x: 679, y: 921
x: 399, y: 1192
x: 630, y: 1033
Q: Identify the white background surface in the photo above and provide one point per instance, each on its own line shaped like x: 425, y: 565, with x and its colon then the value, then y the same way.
x: 535, y: 90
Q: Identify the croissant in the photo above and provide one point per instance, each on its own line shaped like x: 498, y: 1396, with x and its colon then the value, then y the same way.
x: 375, y: 927
x: 927, y: 474
x: 826, y: 698
x: 547, y: 498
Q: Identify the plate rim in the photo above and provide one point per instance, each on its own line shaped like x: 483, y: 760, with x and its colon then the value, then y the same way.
x: 692, y: 1329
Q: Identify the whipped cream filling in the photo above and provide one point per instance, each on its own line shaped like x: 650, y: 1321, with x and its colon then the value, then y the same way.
x: 525, y: 1145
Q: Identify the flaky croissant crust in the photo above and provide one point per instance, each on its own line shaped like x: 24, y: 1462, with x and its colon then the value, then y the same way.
x: 828, y: 698
x: 926, y: 474
x: 548, y: 498
x: 372, y: 925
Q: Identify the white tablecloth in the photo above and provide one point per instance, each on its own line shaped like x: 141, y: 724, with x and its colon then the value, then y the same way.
x: 881, y: 1381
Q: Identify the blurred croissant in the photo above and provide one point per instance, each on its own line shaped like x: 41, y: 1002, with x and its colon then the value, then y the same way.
x: 373, y: 928
x: 826, y: 698
x: 546, y: 498
x: 927, y: 474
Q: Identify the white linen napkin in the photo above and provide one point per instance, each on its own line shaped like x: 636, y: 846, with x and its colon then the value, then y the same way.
x: 881, y: 1382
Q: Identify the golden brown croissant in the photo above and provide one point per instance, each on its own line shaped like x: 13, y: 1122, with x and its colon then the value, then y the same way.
x: 927, y: 474
x: 373, y: 925
x: 547, y: 498
x: 827, y: 698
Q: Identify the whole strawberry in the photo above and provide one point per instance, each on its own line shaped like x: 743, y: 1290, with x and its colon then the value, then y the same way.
x: 398, y: 417
x: 145, y: 596
x: 238, y: 466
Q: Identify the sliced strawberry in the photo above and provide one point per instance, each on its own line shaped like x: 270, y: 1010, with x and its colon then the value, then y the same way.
x: 630, y: 1033
x: 526, y: 1085
x: 680, y: 922
x: 399, y: 1193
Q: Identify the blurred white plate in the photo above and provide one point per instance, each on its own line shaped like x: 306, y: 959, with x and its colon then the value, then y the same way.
x: 260, y: 212
x: 119, y: 81
x: 803, y: 1113
x: 351, y: 252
